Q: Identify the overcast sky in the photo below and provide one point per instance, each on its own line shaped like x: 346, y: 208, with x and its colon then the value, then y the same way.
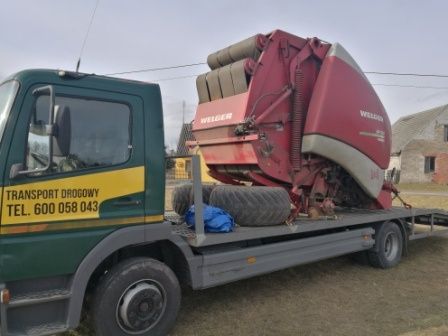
x: 382, y: 35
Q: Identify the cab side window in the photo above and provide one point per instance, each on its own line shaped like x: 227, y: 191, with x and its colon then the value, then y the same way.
x: 89, y: 133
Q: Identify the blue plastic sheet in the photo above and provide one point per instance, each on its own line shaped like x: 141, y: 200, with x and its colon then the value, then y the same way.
x: 215, y: 219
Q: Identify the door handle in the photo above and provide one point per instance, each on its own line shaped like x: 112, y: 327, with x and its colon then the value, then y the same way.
x: 125, y: 203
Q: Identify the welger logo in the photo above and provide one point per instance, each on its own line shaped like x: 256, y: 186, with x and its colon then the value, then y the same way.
x: 370, y: 115
x: 219, y: 117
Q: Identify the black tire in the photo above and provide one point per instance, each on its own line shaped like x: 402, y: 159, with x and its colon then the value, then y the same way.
x: 388, y: 246
x: 150, y: 291
x: 253, y: 206
x: 206, y: 192
x: 183, y: 197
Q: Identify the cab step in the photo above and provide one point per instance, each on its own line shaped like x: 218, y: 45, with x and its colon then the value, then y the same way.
x: 39, y: 297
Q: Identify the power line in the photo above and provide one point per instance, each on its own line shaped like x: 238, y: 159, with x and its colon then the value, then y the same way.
x: 173, y: 78
x: 374, y: 84
x: 156, y: 69
x: 87, y: 35
x: 367, y: 72
x: 204, y: 63
x: 405, y: 74
x: 413, y: 86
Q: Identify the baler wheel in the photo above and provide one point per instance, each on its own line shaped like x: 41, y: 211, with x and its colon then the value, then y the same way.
x: 183, y: 197
x: 253, y: 206
x: 206, y: 192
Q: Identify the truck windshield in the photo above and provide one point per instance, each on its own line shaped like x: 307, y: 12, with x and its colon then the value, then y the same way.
x: 8, y: 92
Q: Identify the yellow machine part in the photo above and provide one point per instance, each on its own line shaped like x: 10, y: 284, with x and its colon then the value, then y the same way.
x: 182, y: 168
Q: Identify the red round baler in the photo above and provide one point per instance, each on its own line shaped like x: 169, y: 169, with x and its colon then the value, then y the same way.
x: 280, y: 110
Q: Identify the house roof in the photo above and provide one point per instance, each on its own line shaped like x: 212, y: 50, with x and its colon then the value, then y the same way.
x: 186, y: 134
x: 406, y: 128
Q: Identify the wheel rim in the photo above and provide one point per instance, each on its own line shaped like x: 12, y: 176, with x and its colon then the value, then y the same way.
x: 141, y: 306
x: 391, y: 246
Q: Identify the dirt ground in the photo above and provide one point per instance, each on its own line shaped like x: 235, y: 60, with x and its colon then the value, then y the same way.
x: 331, y: 297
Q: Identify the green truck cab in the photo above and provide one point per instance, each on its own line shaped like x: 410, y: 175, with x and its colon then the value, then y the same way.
x: 81, y: 158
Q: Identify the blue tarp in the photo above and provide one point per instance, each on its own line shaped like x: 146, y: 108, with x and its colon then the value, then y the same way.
x: 215, y: 219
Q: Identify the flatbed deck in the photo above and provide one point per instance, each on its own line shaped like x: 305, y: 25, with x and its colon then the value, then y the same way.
x: 436, y: 220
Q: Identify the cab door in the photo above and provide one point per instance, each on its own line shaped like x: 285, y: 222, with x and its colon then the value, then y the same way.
x: 95, y: 174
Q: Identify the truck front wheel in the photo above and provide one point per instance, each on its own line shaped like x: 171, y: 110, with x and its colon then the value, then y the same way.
x: 388, y: 246
x: 139, y: 296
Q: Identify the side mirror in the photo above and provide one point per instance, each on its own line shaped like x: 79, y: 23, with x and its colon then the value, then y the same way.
x: 62, y: 134
x: 49, y: 130
x: 16, y: 170
x: 43, y: 91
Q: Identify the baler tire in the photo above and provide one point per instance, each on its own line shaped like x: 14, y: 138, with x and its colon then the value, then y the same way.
x: 206, y: 192
x: 388, y: 248
x: 183, y: 197
x: 253, y: 206
x: 128, y: 282
x: 181, y: 200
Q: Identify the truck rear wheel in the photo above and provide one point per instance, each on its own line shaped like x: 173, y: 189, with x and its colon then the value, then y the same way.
x: 388, y: 246
x: 253, y: 206
x: 139, y: 296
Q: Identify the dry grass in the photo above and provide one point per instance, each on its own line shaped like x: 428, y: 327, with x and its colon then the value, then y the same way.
x: 424, y: 201
x: 332, y: 297
x: 441, y: 331
x: 428, y: 187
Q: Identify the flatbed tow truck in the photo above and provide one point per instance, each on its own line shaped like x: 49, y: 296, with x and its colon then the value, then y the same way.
x: 83, y: 222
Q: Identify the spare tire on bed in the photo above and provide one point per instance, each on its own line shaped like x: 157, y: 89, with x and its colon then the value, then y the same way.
x: 183, y: 197
x: 253, y: 206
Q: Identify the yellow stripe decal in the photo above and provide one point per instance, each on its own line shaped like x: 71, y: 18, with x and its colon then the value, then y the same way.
x: 67, y: 199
